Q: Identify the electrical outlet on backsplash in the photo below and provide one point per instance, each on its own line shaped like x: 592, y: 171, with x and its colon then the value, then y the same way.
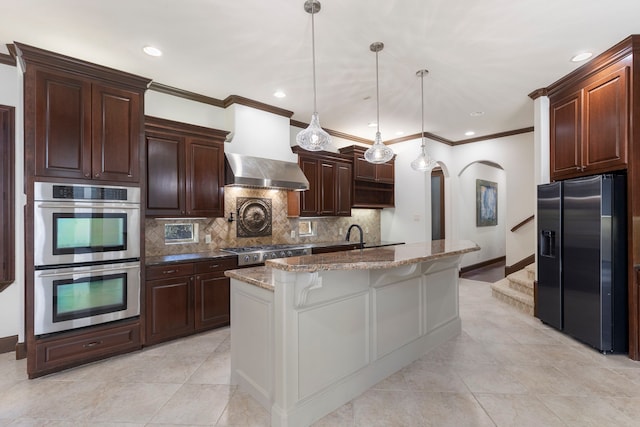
x: 223, y: 233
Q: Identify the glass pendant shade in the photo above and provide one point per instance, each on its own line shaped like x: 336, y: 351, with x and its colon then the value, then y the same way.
x: 313, y: 138
x: 378, y: 152
x: 423, y: 162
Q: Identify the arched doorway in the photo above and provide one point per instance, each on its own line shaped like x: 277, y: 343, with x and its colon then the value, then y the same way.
x: 437, y: 204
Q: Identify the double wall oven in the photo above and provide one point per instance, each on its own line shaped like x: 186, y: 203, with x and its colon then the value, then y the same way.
x: 86, y: 255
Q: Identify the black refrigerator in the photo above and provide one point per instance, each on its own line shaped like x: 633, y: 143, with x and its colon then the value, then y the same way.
x: 582, y: 259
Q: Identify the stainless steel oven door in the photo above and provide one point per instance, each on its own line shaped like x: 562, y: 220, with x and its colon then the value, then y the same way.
x: 80, y: 232
x: 75, y: 297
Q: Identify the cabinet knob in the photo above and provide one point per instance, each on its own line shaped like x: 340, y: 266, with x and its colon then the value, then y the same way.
x: 97, y: 175
x: 87, y: 175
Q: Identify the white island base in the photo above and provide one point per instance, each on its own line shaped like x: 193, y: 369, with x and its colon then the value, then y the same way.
x: 305, y: 343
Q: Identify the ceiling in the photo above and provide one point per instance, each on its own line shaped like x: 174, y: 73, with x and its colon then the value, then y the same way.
x: 482, y: 56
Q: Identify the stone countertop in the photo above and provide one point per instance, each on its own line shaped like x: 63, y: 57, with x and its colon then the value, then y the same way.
x: 192, y: 257
x: 375, y: 244
x: 375, y: 258
x: 259, y: 276
x: 205, y: 256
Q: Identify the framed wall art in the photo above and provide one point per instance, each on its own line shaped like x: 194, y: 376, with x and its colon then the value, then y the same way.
x: 486, y: 203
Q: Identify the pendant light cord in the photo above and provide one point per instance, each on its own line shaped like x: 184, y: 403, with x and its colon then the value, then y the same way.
x: 422, y: 92
x: 377, y: 97
x: 313, y: 54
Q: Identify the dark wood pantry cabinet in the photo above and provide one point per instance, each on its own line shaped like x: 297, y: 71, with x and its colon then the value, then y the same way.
x: 81, y: 120
x: 185, y: 169
x: 83, y: 123
x: 330, y: 180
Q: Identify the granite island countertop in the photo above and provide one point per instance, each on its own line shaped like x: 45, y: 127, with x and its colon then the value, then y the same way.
x: 374, y: 258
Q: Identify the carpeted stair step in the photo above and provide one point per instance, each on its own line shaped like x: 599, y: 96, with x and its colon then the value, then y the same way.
x: 503, y: 291
x: 521, y: 282
x: 531, y: 271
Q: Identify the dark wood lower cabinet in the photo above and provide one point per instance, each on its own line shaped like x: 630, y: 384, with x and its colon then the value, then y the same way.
x: 185, y: 298
x: 78, y: 347
x: 169, y: 308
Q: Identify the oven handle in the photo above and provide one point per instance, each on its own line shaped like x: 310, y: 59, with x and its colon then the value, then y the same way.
x: 87, y: 205
x: 99, y: 270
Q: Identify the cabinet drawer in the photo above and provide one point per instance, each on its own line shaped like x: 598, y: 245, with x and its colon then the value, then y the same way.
x: 220, y: 264
x: 87, y: 346
x: 169, y: 270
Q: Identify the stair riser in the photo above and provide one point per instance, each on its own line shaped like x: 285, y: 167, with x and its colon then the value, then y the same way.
x: 525, y: 289
x: 525, y: 308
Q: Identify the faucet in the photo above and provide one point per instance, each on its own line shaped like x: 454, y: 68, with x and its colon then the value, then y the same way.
x: 361, y: 234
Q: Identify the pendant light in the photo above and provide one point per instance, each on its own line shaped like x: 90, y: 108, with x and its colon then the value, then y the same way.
x: 378, y: 152
x: 424, y: 162
x: 313, y: 138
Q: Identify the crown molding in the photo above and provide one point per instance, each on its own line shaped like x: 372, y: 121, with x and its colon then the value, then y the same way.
x: 337, y: 134
x: 236, y: 99
x: 495, y: 136
x: 538, y: 93
x: 9, y: 58
x: 192, y: 96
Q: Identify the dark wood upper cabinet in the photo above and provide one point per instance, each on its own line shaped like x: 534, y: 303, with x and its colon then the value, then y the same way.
x: 373, y: 184
x: 205, y: 177
x: 82, y: 120
x: 165, y: 174
x: 116, y: 130
x: 344, y: 181
x: 329, y: 193
x: 7, y: 236
x: 309, y: 198
x: 588, y: 122
x: 185, y: 169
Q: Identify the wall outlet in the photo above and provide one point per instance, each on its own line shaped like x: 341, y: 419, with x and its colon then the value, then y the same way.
x: 207, y: 238
x: 293, y: 234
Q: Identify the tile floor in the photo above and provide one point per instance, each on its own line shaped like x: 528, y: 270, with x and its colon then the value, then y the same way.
x: 505, y: 369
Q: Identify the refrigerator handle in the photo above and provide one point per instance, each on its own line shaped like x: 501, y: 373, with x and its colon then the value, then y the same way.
x: 548, y: 243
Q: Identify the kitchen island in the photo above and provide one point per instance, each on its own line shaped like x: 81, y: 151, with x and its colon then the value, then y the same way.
x: 311, y: 333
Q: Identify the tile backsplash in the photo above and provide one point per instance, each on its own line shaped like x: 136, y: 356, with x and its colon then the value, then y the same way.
x: 223, y: 233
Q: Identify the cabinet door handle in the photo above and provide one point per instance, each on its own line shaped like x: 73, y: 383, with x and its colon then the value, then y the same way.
x: 87, y: 175
x: 97, y: 175
x: 214, y: 266
x: 169, y: 271
x: 92, y: 344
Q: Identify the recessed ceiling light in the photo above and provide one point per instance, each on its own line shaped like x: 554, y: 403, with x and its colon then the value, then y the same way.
x: 152, y: 51
x: 581, y: 56
x: 469, y: 133
x: 372, y: 124
x: 279, y: 94
x: 476, y: 113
